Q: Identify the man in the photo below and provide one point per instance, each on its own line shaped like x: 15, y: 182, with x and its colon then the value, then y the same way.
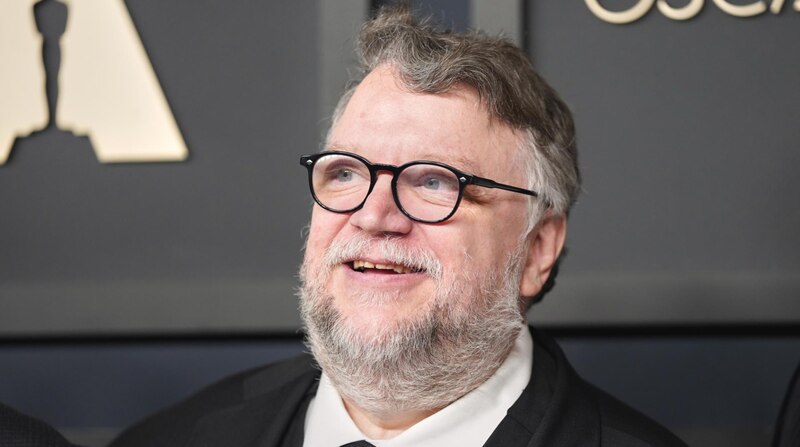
x: 442, y: 196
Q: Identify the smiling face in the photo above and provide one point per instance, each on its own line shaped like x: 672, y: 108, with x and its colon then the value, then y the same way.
x: 404, y: 315
x: 387, y: 124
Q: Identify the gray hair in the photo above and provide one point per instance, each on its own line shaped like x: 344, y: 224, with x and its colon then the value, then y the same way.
x: 430, y: 60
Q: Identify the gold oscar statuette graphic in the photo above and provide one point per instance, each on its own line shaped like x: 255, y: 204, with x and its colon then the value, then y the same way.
x: 23, y: 102
x: 105, y: 87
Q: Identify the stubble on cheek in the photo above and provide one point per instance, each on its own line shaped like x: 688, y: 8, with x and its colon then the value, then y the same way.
x: 457, y: 340
x: 370, y: 314
x: 447, y: 291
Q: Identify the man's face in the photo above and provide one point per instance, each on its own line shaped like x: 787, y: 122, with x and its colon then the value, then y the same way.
x: 387, y: 124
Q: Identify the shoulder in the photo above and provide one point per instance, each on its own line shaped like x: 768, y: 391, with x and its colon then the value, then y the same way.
x: 617, y: 424
x: 17, y: 429
x: 622, y: 425
x: 174, y: 426
x: 787, y: 429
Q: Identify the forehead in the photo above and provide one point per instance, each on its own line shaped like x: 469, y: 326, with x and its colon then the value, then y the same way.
x: 387, y: 123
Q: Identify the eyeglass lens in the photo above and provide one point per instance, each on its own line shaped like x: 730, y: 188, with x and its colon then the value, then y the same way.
x: 425, y: 191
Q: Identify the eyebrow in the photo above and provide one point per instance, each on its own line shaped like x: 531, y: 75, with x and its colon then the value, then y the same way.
x: 459, y: 162
x: 336, y: 147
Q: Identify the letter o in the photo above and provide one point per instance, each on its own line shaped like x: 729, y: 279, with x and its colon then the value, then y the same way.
x: 622, y: 17
x: 685, y: 13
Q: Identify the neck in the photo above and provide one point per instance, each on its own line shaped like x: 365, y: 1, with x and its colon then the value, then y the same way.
x: 384, y: 425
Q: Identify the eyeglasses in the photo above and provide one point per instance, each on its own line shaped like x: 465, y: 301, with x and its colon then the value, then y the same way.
x: 425, y: 191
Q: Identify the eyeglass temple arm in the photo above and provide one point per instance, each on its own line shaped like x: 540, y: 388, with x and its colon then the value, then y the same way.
x: 486, y: 183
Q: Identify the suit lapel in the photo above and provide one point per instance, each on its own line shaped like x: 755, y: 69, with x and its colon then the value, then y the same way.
x: 553, y: 410
x: 264, y: 415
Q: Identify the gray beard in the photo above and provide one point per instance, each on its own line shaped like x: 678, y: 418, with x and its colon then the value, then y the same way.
x: 416, y: 364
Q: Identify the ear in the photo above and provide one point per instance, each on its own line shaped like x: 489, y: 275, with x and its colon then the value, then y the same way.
x: 545, y: 243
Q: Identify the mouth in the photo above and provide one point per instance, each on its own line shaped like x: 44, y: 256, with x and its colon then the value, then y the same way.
x: 363, y: 266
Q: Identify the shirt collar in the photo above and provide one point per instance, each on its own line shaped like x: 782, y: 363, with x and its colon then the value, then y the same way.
x: 469, y: 420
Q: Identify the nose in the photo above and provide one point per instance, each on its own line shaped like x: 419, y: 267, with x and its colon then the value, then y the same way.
x: 380, y: 214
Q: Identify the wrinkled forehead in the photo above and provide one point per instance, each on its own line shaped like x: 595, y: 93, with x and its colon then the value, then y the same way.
x: 386, y: 122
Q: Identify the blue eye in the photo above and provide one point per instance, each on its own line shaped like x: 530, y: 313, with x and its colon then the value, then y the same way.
x: 344, y: 175
x: 432, y: 183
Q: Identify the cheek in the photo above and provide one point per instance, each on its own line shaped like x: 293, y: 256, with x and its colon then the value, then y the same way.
x: 325, y: 225
x: 322, y: 231
x: 482, y: 248
x: 456, y: 252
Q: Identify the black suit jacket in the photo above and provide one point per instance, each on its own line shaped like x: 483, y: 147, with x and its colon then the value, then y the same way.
x: 19, y: 430
x: 266, y: 407
x: 787, y: 430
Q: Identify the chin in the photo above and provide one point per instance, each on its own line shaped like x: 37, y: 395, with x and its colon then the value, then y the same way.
x: 377, y: 322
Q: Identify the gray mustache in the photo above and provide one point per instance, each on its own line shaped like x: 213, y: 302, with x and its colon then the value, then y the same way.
x: 388, y: 248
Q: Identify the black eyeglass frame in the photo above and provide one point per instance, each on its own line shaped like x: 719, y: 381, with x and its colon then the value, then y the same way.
x: 464, y: 179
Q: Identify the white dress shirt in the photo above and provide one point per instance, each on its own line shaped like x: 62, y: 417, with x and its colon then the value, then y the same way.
x: 469, y: 421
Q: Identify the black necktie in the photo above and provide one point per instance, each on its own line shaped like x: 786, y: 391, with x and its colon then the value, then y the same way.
x: 358, y: 444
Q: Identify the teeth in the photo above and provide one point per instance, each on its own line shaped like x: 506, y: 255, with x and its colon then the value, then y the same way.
x: 361, y: 265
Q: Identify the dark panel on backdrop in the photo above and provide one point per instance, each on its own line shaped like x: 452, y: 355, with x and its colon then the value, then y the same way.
x: 689, y: 146
x: 687, y: 141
